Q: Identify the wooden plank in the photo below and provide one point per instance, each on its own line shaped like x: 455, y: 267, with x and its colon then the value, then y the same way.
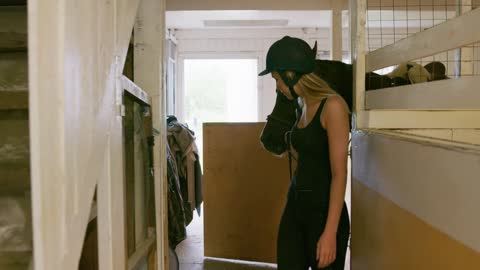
x: 15, y: 179
x: 13, y: 3
x: 135, y: 90
x: 13, y: 28
x: 470, y: 136
x: 142, y: 251
x: 13, y: 71
x: 358, y: 11
x: 140, y: 180
x: 46, y: 25
x: 14, y: 152
x: 444, y: 134
x: 13, y: 100
x: 336, y: 31
x: 452, y: 34
x: 149, y: 73
x: 129, y: 161
x: 245, y: 190
x: 141, y: 172
x: 152, y: 259
x: 15, y: 260
x: 467, y: 135
x: 423, y: 173
x: 453, y: 94
x: 420, y: 119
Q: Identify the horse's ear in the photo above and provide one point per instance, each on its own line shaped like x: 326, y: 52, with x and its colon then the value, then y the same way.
x: 314, y: 49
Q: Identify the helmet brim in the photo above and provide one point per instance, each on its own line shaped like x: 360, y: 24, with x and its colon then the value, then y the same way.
x: 265, y: 72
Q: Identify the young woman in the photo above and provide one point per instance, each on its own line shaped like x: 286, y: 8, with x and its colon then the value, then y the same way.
x: 314, y: 227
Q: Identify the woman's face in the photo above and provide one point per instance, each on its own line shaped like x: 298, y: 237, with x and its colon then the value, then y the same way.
x: 282, y: 87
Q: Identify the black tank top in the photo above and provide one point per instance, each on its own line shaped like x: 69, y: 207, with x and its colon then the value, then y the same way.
x: 313, y: 173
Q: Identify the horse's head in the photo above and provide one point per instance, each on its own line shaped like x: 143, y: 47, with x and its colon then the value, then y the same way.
x: 278, y: 123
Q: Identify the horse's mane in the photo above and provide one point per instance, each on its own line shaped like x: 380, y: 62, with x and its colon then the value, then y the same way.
x: 339, y: 76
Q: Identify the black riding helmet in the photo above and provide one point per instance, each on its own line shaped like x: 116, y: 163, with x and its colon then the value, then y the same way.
x: 290, y: 54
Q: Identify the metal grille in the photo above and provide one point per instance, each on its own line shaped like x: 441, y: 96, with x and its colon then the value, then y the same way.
x: 389, y: 21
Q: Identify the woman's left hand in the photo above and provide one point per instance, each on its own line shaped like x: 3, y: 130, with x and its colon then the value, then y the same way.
x: 326, y: 249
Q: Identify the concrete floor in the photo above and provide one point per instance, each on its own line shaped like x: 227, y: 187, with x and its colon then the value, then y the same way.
x: 190, y: 254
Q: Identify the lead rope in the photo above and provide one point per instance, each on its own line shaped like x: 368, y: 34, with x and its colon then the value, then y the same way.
x: 288, y: 138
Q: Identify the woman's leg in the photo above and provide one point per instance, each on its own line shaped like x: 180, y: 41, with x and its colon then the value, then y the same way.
x: 291, y: 251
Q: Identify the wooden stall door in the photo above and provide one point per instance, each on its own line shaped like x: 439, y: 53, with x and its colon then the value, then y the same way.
x: 245, y: 190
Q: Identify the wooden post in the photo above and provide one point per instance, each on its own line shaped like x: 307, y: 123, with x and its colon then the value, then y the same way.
x: 358, y: 13
x: 463, y: 56
x: 336, y: 31
x: 149, y: 74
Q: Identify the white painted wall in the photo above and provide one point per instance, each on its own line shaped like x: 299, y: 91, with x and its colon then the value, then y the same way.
x: 242, y: 43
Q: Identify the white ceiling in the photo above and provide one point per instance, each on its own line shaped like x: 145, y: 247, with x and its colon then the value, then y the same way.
x: 210, y: 19
x: 247, y: 19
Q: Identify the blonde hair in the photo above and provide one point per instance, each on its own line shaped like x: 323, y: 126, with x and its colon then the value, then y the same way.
x: 315, y: 87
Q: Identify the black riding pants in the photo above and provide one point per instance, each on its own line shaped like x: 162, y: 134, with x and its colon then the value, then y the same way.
x: 300, y: 228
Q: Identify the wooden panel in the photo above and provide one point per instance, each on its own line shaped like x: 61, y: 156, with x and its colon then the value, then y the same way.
x: 13, y: 71
x: 437, y: 39
x: 336, y: 31
x: 13, y: 100
x: 432, y: 179
x: 467, y: 135
x: 76, y: 55
x: 417, y: 119
x: 129, y: 148
x: 453, y: 94
x: 245, y: 189
x: 152, y: 259
x: 444, y: 134
x: 15, y: 260
x: 14, y: 152
x: 13, y: 2
x: 13, y: 28
x: 471, y: 136
x: 385, y: 236
x: 141, y: 174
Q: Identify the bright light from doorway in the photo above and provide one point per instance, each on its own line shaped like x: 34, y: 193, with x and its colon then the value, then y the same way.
x: 219, y: 90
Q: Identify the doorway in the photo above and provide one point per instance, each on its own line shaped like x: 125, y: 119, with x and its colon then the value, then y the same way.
x: 214, y: 89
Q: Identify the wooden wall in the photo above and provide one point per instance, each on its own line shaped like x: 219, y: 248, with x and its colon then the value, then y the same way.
x: 414, y: 203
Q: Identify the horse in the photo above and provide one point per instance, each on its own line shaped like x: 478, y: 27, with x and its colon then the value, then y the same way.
x: 339, y: 77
